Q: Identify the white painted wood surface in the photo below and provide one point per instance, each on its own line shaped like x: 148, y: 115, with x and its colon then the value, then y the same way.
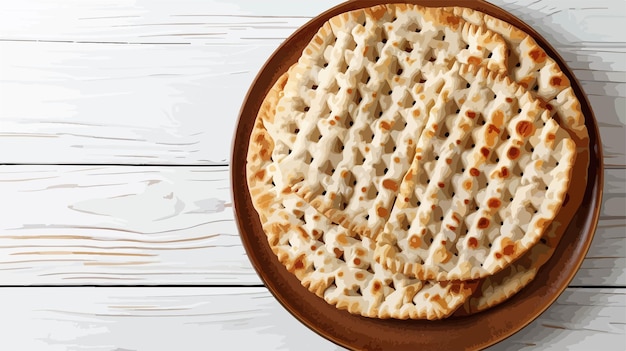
x: 90, y: 91
x: 106, y: 319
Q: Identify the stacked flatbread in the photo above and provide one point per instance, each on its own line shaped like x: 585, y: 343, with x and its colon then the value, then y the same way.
x: 417, y: 161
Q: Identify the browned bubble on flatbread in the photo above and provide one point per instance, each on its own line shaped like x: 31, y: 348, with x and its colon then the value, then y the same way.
x: 357, y: 99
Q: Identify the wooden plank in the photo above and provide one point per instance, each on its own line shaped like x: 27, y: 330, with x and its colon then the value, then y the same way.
x: 158, y: 83
x: 174, y: 225
x: 119, y: 225
x: 605, y: 262
x: 576, y: 321
x: 249, y: 318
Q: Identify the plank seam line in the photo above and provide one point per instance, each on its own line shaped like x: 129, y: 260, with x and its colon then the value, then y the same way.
x: 597, y: 286
x: 213, y: 164
x: 88, y: 42
x: 221, y: 286
x: 118, y: 164
x: 134, y: 286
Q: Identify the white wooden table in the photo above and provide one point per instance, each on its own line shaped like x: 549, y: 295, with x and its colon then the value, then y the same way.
x: 116, y: 226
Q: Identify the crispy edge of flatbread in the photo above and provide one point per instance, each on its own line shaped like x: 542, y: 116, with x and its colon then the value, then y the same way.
x: 259, y: 156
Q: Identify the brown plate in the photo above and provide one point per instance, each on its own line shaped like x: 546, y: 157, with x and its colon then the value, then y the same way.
x: 469, y: 332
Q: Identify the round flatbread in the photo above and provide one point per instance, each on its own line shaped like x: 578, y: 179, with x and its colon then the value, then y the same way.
x: 357, y: 99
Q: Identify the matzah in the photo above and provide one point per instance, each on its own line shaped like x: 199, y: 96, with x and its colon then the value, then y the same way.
x: 346, y: 144
x: 490, y: 172
x: 328, y: 260
x: 358, y: 97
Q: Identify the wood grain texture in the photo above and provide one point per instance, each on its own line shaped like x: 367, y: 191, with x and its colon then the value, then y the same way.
x: 190, y: 319
x: 147, y: 83
x: 174, y: 225
x: 119, y: 225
